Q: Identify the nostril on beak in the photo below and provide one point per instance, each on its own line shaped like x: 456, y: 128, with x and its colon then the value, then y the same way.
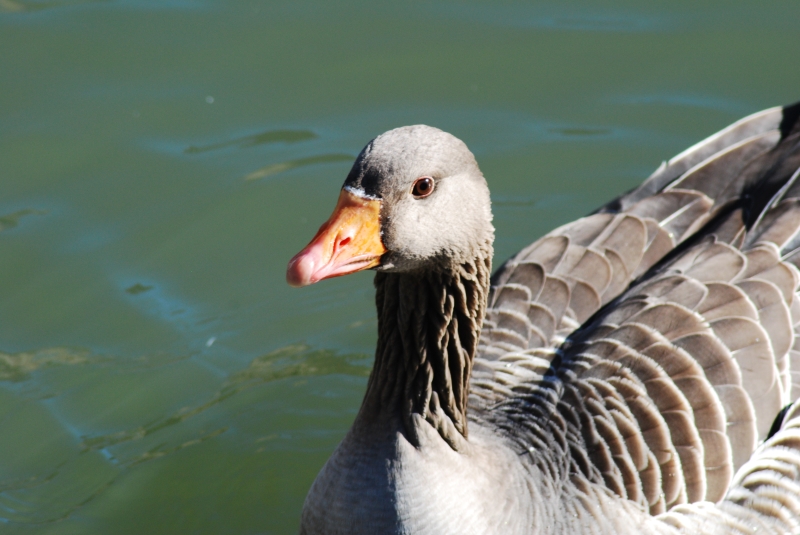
x: 339, y: 243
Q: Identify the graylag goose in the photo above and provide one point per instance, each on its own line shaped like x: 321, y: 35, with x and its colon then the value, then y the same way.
x: 630, y: 372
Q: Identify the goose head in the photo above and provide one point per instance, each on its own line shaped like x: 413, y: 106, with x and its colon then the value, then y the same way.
x: 414, y: 200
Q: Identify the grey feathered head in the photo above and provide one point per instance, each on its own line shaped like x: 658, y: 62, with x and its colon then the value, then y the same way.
x: 444, y: 226
x: 415, y: 199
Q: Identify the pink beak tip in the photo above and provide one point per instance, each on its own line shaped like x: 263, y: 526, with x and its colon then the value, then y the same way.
x: 300, y: 270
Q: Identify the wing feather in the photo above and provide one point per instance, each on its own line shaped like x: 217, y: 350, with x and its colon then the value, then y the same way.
x: 657, y: 338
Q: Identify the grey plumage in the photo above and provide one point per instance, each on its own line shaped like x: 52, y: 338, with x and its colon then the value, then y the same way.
x: 628, y: 369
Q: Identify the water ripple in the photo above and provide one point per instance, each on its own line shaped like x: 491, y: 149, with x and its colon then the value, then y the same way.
x: 264, y: 138
x: 11, y: 220
x: 547, y: 17
x: 28, y: 6
x: 297, y: 360
x: 18, y: 366
x: 274, y: 169
x: 687, y: 100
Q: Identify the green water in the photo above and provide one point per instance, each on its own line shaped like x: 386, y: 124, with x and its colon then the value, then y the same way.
x: 161, y: 160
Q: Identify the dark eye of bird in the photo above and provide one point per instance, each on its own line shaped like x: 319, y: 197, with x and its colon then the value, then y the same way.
x: 422, y: 187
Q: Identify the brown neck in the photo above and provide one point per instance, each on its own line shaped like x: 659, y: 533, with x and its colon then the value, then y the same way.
x: 428, y: 328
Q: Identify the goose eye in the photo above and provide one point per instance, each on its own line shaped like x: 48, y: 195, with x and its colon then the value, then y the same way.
x: 422, y: 187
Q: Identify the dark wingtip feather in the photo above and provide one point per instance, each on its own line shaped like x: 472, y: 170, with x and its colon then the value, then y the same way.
x: 778, y: 422
x: 790, y: 123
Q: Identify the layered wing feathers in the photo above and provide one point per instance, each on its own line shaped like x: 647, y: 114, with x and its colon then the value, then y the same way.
x: 657, y: 337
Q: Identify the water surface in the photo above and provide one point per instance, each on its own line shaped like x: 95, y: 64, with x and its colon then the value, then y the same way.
x: 160, y: 161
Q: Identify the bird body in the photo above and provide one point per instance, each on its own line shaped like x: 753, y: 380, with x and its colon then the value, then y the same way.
x: 622, y: 374
x: 428, y: 488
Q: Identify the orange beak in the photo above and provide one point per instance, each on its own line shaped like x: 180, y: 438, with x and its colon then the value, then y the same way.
x: 349, y: 241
